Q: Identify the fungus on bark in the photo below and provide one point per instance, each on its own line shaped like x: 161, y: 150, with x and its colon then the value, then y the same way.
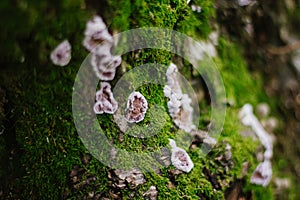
x: 105, y: 101
x: 103, y: 63
x: 95, y: 33
x: 179, y: 104
x: 151, y: 194
x: 61, y: 55
x: 123, y: 178
x: 136, y: 107
x: 180, y: 159
x: 263, y: 173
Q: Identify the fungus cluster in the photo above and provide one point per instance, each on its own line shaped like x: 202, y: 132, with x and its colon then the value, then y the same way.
x: 100, y: 43
x: 95, y: 33
x: 263, y: 173
x: 105, y: 102
x: 136, y: 107
x: 180, y: 159
x: 124, y: 178
x: 179, y: 104
x: 61, y: 55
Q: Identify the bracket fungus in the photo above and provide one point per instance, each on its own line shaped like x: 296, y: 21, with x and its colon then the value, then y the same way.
x: 103, y: 63
x: 136, y: 107
x: 123, y: 178
x: 179, y: 104
x: 95, y: 33
x: 180, y: 159
x: 263, y: 173
x: 105, y: 101
x: 61, y: 55
x: 100, y: 43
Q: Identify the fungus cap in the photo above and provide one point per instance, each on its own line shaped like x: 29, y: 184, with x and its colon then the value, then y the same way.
x: 136, y: 107
x: 180, y: 159
x: 262, y: 174
x: 105, y: 101
x: 95, y: 33
x: 61, y: 55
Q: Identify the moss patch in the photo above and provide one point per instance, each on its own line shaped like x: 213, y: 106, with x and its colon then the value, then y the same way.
x: 44, y: 126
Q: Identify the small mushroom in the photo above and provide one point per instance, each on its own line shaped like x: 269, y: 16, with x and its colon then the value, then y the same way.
x: 103, y: 63
x: 136, y: 107
x: 95, y: 33
x: 61, y: 55
x: 180, y: 159
x: 105, y: 101
x: 262, y: 174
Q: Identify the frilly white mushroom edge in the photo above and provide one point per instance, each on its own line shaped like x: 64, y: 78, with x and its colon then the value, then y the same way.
x: 95, y: 33
x: 179, y: 104
x: 136, y: 107
x: 180, y: 159
x: 263, y: 173
x: 100, y: 43
x: 61, y: 55
x: 105, y: 101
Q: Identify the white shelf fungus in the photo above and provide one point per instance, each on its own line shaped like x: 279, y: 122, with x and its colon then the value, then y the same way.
x: 179, y: 104
x: 263, y: 173
x: 95, y: 33
x: 103, y: 63
x: 105, y: 102
x: 61, y: 55
x: 136, y: 107
x: 180, y: 159
x: 100, y: 43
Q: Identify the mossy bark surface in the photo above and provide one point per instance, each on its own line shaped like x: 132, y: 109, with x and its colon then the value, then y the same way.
x: 47, y: 159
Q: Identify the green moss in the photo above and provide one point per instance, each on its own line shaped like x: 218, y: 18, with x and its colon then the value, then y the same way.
x: 45, y: 128
x: 197, y: 25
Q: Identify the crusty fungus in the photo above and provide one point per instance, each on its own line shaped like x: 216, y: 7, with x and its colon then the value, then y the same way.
x: 100, y: 43
x: 136, y: 107
x: 95, y: 33
x: 180, y: 159
x: 263, y: 173
x: 103, y: 63
x: 61, y: 55
x: 179, y: 104
x: 105, y: 102
x: 151, y: 194
x: 123, y: 178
